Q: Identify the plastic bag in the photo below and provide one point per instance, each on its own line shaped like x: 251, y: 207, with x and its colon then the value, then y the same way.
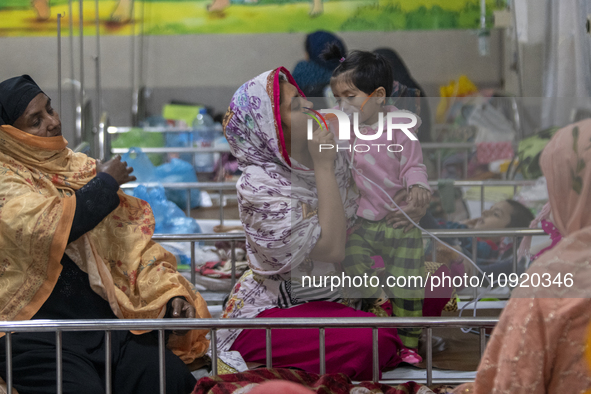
x: 143, y: 169
x: 169, y: 218
x: 535, y: 196
x: 530, y: 150
x: 178, y: 170
x: 175, y: 171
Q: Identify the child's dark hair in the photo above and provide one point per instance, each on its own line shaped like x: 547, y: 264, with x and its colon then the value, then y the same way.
x: 521, y: 215
x: 367, y: 71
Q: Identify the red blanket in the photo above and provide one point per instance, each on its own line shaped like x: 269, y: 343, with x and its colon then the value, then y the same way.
x: 325, y: 384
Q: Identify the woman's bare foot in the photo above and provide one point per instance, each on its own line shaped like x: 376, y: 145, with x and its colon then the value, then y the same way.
x: 42, y: 9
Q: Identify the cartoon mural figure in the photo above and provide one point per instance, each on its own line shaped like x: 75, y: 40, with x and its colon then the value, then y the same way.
x: 42, y: 9
x: 121, y: 13
x: 220, y: 5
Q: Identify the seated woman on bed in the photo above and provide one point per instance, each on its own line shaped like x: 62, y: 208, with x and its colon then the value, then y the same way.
x: 74, y: 246
x: 296, y: 205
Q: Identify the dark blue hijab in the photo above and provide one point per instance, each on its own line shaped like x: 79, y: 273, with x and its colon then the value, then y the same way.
x: 15, y: 95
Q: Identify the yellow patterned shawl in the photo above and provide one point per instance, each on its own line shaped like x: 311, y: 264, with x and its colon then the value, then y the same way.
x: 38, y: 177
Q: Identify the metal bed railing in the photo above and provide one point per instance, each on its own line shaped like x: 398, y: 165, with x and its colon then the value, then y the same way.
x: 112, y: 130
x: 488, y: 183
x: 60, y: 326
x: 438, y: 146
x: 223, y: 186
x: 463, y: 233
x: 188, y: 186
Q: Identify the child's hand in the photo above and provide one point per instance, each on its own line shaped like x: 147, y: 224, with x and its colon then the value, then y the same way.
x: 419, y: 197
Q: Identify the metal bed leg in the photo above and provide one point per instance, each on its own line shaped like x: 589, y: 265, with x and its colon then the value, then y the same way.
x: 221, y: 207
x: 59, y: 367
x: 269, y: 349
x: 514, y: 255
x: 429, y: 356
x: 233, y: 251
x: 434, y: 251
x: 108, y: 366
x: 474, y: 257
x: 161, y: 362
x: 466, y: 164
x: 481, y: 199
x: 8, y: 362
x: 375, y: 355
x: 322, y: 351
x: 188, y: 207
x: 59, y: 62
x: 214, y: 352
x: 193, y: 262
x: 482, y: 341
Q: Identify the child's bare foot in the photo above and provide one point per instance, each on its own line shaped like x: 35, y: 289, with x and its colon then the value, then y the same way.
x: 42, y: 9
x: 410, y: 356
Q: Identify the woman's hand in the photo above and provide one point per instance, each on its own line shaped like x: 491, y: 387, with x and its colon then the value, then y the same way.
x: 397, y: 218
x: 117, y: 169
x: 320, y: 147
x: 181, y: 309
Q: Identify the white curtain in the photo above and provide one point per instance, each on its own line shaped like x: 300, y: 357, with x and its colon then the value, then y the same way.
x: 567, y: 60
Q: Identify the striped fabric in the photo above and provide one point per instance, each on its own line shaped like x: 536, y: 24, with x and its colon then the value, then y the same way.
x: 403, y: 258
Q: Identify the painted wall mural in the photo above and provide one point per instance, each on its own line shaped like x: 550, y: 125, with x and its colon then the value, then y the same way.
x: 170, y: 17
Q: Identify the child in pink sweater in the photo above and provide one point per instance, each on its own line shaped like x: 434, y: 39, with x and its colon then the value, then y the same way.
x: 362, y: 83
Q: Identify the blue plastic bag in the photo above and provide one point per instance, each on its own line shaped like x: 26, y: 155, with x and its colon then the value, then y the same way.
x: 178, y: 171
x: 175, y: 171
x: 143, y: 169
x: 169, y: 218
x: 180, y: 139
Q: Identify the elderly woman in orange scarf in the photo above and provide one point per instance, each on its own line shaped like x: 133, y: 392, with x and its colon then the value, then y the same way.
x: 73, y: 246
x: 539, y: 344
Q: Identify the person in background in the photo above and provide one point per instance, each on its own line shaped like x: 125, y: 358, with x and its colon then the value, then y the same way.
x: 544, y: 217
x: 313, y: 74
x: 74, y: 246
x: 493, y: 254
x: 401, y: 74
x: 539, y: 344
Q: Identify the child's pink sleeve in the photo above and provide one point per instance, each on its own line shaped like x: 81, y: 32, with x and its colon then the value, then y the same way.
x: 412, y: 169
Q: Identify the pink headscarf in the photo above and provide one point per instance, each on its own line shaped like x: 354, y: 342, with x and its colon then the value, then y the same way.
x: 566, y: 163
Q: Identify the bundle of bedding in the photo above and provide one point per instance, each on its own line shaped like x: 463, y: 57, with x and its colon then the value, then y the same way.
x: 241, y: 383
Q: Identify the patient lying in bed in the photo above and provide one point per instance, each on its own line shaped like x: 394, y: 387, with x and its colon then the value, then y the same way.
x: 493, y: 254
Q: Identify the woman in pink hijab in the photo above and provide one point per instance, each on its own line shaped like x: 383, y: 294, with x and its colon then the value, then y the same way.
x: 539, y: 344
